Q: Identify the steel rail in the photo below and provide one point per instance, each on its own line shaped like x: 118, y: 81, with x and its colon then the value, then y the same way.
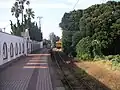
x: 83, y: 82
x: 65, y: 78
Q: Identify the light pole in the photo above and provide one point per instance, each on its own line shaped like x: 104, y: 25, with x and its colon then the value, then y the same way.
x: 39, y: 21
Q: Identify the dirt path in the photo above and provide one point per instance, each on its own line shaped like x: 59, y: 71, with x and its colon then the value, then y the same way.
x: 101, y: 72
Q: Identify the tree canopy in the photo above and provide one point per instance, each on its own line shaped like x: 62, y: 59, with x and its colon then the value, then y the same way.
x: 17, y: 9
x: 53, y: 38
x: 101, y: 22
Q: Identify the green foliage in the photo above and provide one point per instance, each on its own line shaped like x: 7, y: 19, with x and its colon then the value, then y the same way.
x: 100, y: 23
x: 85, y: 56
x: 18, y: 8
x: 53, y: 38
x: 76, y: 38
x: 96, y: 48
x: 16, y: 30
x: 34, y: 31
x: 115, y: 60
x: 110, y: 57
x: 70, y: 25
x: 83, y: 48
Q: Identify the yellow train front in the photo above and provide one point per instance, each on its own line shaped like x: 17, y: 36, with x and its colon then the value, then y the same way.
x: 58, y: 46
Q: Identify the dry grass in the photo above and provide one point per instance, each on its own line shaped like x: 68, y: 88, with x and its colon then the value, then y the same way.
x: 102, y: 71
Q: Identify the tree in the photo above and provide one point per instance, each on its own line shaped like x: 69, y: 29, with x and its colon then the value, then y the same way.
x: 100, y: 22
x: 57, y: 38
x: 21, y: 5
x: 15, y: 10
x: 70, y: 25
x: 16, y: 29
x: 30, y: 13
x: 34, y: 32
x: 18, y: 9
x: 83, y: 48
x: 52, y: 38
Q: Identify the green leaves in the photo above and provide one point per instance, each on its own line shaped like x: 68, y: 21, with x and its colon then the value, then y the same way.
x: 99, y: 22
x: 34, y: 31
x: 30, y: 13
x: 70, y: 25
x: 83, y: 48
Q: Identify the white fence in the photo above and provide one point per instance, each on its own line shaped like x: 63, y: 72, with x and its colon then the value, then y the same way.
x: 12, y: 47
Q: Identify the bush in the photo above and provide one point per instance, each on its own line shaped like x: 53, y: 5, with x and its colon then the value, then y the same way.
x: 116, y: 59
x: 97, y: 58
x: 85, y: 57
x: 96, y: 48
x: 114, y: 63
x: 83, y: 48
x: 110, y: 57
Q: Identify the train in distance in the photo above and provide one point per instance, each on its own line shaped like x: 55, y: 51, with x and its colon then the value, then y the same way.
x: 58, y: 46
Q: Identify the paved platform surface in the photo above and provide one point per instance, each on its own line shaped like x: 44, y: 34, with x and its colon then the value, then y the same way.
x: 30, y: 73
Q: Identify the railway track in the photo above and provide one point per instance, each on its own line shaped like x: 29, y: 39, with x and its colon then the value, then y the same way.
x: 66, y: 81
x: 84, y: 85
x: 63, y: 66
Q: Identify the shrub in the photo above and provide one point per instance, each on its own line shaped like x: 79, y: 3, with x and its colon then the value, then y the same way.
x: 85, y: 56
x: 83, y: 48
x: 114, y: 63
x: 96, y: 48
x: 97, y: 58
x: 110, y: 57
x: 116, y: 59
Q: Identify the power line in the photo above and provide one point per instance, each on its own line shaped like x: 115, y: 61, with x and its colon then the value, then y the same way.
x: 75, y: 4
x: 73, y: 9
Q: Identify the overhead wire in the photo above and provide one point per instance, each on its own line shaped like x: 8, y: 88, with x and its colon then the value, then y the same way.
x: 75, y: 4
x: 73, y: 9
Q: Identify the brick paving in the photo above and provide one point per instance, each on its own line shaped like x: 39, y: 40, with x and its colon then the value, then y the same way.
x: 30, y: 73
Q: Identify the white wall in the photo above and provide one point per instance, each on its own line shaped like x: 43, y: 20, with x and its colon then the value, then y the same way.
x: 8, y: 39
x: 41, y: 44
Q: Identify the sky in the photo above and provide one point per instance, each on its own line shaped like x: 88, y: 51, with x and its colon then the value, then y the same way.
x: 51, y: 11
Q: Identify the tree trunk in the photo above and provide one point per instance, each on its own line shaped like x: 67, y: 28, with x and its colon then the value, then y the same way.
x: 17, y: 22
x: 22, y: 22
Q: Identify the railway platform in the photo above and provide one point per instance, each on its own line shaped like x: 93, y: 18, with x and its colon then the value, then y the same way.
x: 29, y: 73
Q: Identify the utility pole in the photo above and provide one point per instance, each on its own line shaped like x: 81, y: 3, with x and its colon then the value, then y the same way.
x: 39, y: 18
